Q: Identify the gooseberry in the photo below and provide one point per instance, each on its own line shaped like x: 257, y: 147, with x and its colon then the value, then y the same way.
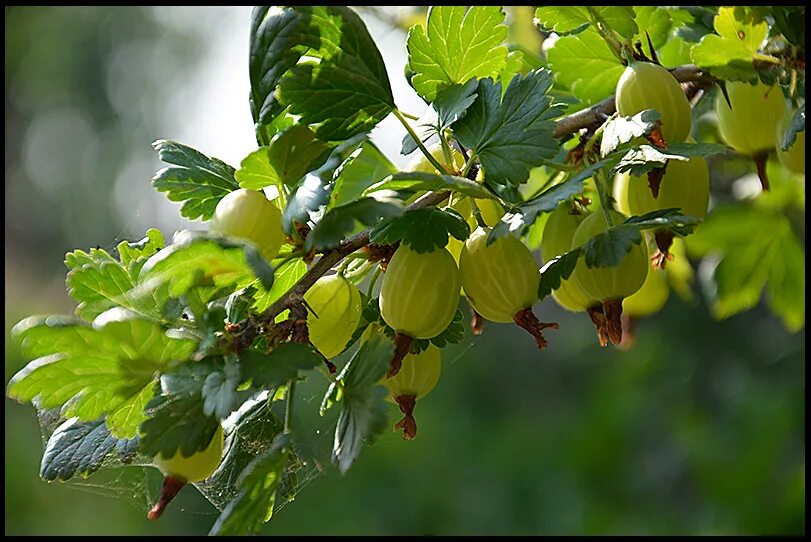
x: 336, y: 308
x: 249, y: 215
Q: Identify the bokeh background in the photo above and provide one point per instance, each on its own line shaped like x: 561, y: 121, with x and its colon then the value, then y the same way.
x: 698, y: 429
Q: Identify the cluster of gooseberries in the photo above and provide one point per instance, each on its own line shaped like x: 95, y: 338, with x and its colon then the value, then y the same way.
x: 420, y: 291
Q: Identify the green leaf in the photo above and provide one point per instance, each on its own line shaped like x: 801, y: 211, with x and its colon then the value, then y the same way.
x: 796, y: 125
x: 790, y: 21
x: 339, y: 222
x: 586, y: 65
x: 452, y: 334
x: 460, y: 43
x: 608, y: 248
x: 364, y: 167
x: 207, y: 262
x: 621, y: 130
x: 642, y: 159
x: 524, y: 215
x: 253, y: 505
x: 420, y: 181
x: 424, y: 230
x: 306, y: 204
x: 220, y: 390
x: 574, y: 19
x: 195, y: 179
x: 513, y: 135
x: 450, y: 105
x: 283, y: 279
x: 290, y: 155
x: 653, y: 21
x: 82, y: 448
x: 134, y: 255
x: 108, y: 368
x: 729, y: 53
x: 280, y: 366
x: 756, y: 249
x: 276, y: 46
x: 557, y: 270
x: 175, y: 420
x: 363, y: 410
x: 346, y: 91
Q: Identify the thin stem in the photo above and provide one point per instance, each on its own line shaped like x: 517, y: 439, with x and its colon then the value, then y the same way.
x: 410, y: 116
x: 446, y: 149
x: 607, y: 35
x: 288, y: 409
x: 468, y: 164
x: 602, y: 191
x: 590, y: 143
x: 477, y: 213
x: 418, y: 141
x: 291, y: 256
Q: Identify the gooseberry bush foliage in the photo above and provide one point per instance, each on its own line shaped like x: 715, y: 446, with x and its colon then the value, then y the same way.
x: 318, y: 258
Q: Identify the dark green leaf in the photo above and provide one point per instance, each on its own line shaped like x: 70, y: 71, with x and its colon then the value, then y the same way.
x: 363, y: 410
x: 729, y: 53
x: 220, y: 390
x: 525, y: 214
x: 82, y: 448
x: 557, y: 270
x: 790, y: 21
x: 586, y: 65
x: 513, y: 135
x: 621, y: 130
x: 306, y: 204
x: 290, y: 155
x: 452, y: 334
x: 450, y: 105
x: 253, y: 505
x: 642, y: 159
x: 424, y: 230
x: 796, y: 125
x: 339, y: 222
x: 280, y: 366
x: 460, y: 43
x: 277, y: 44
x: 176, y: 424
x: 107, y: 369
x: 364, y: 167
x: 347, y: 91
x: 607, y: 249
x: 420, y: 181
x: 195, y: 179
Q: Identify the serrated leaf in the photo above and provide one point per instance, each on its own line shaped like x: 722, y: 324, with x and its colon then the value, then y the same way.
x: 99, y: 282
x: 758, y: 250
x: 586, y: 65
x: 423, y: 230
x: 421, y: 181
x: 253, y: 505
x: 621, y: 130
x: 276, y: 46
x: 307, y: 203
x: 194, y: 178
x: 364, y: 167
x: 729, y: 53
x: 450, y: 105
x: 608, y: 248
x: 93, y: 371
x: 82, y: 448
x: 283, y: 279
x: 346, y: 91
x: 525, y: 214
x: 277, y: 368
x: 176, y: 423
x: 557, y: 270
x: 640, y: 160
x: 220, y: 390
x: 363, y: 410
x: 339, y: 222
x: 214, y: 265
x: 796, y: 125
x: 460, y: 43
x: 452, y: 334
x: 574, y: 19
x: 514, y: 134
x: 290, y: 155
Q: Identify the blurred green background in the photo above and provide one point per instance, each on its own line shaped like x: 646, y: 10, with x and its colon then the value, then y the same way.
x: 698, y: 429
